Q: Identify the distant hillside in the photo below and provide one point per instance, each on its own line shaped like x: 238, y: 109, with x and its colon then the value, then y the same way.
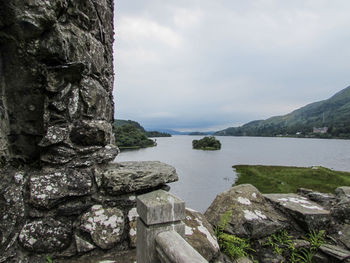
x: 138, y: 126
x: 118, y: 123
x: 333, y: 113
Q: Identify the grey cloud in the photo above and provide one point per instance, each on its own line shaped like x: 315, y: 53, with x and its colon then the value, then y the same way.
x: 206, y: 63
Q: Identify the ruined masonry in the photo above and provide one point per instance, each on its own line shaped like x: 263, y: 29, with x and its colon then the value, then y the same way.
x: 59, y: 195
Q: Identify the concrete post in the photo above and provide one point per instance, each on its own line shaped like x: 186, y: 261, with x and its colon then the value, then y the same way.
x: 158, y: 211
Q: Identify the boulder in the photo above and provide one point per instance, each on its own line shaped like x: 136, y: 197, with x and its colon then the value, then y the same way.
x: 126, y: 177
x: 105, y: 225
x: 50, y: 187
x: 307, y: 213
x: 200, y: 235
x: 45, y: 235
x: 251, y: 216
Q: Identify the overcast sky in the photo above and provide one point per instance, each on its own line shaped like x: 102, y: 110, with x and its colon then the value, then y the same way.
x: 212, y: 64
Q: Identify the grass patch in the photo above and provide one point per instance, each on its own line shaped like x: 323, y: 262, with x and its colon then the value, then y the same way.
x: 287, y: 179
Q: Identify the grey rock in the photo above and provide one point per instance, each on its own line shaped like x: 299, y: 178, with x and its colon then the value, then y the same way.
x: 343, y: 235
x: 58, y: 155
x: 45, y: 235
x: 74, y: 207
x: 307, y: 213
x: 343, y: 193
x: 83, y: 245
x: 88, y: 133
x: 12, y: 206
x: 335, y: 252
x: 54, y: 134
x: 200, y: 235
x: 126, y: 177
x: 105, y: 225
x: 324, y: 199
x: 52, y: 186
x: 251, y: 215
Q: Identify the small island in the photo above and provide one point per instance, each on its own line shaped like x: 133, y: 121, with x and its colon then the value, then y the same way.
x: 207, y: 143
x: 130, y: 137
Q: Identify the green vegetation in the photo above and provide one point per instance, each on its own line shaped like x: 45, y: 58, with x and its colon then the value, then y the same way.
x: 284, y: 244
x: 231, y: 245
x: 129, y: 137
x: 333, y: 113
x: 207, y: 143
x: 157, y: 134
x: 285, y: 179
x: 49, y: 259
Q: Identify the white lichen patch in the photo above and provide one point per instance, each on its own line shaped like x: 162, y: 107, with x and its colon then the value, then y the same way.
x: 296, y: 200
x: 243, y: 200
x: 302, y: 201
x: 212, y: 239
x: 188, y: 231
x: 131, y: 197
x: 132, y: 232
x: 133, y: 215
x: 254, y: 195
x: 254, y: 215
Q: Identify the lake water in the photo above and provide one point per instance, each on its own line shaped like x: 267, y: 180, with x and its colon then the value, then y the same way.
x: 204, y: 174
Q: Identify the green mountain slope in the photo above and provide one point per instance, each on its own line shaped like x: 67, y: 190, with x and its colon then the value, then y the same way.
x: 333, y: 113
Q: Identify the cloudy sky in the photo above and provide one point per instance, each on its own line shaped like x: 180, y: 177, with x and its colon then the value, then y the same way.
x: 211, y: 64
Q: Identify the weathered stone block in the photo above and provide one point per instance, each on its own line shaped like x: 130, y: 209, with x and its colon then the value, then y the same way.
x: 88, y: 133
x: 125, y: 177
x: 309, y: 214
x: 52, y: 186
x: 105, y: 225
x: 45, y: 235
x: 160, y: 207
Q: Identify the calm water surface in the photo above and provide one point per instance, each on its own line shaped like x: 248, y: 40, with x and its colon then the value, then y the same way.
x: 204, y: 174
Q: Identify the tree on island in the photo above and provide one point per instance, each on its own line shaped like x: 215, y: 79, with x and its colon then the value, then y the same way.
x: 129, y: 137
x: 207, y: 143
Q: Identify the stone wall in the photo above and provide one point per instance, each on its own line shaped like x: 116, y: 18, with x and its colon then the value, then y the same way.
x: 56, y: 80
x: 59, y: 195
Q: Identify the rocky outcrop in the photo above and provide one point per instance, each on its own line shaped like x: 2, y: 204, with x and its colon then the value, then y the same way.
x: 261, y: 218
x: 250, y: 214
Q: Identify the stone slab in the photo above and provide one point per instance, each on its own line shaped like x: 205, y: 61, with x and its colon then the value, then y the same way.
x: 160, y: 207
x: 310, y: 214
x: 335, y: 252
x: 126, y: 177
